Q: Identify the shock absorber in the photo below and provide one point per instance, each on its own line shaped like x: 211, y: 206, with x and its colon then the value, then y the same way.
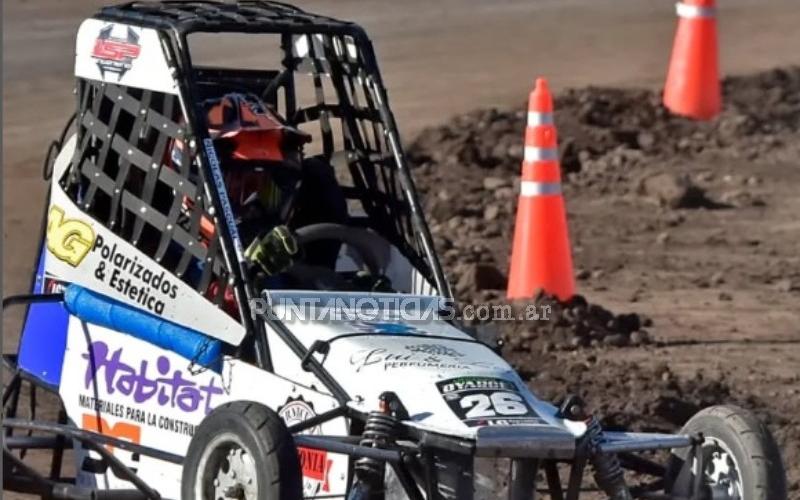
x: 380, y: 431
x: 608, y: 473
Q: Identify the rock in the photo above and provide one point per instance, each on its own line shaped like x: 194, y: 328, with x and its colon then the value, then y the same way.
x: 785, y: 285
x: 662, y: 238
x: 455, y: 223
x: 576, y: 342
x: 673, y: 219
x: 481, y: 277
x: 753, y: 181
x: 616, y: 340
x: 725, y: 297
x: 491, y: 212
x: 645, y: 140
x: 492, y: 183
x: 582, y: 274
x: 717, y: 279
x: 504, y: 193
x: 640, y: 337
x: 673, y: 191
x: 628, y: 322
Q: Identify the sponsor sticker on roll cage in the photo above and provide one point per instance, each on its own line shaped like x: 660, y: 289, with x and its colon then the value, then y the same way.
x: 227, y: 211
x: 69, y: 240
x: 115, y: 54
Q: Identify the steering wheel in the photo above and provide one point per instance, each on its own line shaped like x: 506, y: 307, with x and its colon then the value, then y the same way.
x: 363, y: 241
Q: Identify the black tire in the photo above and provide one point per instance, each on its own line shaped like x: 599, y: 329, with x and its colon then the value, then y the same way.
x: 755, y: 455
x: 265, y: 442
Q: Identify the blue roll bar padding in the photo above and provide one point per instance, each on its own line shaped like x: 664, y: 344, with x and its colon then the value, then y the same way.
x: 101, y: 310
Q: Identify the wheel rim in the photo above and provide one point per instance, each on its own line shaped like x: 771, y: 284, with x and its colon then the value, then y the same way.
x: 227, y: 470
x: 721, y: 471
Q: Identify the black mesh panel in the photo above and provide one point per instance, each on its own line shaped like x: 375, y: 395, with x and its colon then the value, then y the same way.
x: 135, y: 172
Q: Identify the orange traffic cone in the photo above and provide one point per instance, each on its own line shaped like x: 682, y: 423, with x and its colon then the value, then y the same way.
x: 541, y: 257
x: 692, y: 88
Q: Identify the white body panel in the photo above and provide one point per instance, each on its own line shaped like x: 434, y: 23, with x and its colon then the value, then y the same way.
x: 141, y: 393
x: 133, y: 390
x: 407, y: 353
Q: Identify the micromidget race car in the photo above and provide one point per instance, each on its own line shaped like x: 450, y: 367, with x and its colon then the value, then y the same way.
x: 190, y: 361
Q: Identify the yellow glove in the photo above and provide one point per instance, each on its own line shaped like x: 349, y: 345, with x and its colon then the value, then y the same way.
x: 275, y: 251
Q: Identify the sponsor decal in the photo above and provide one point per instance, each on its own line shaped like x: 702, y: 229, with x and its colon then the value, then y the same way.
x: 436, y: 356
x: 115, y: 49
x: 316, y: 467
x: 314, y: 463
x: 139, y: 381
x: 484, y: 401
x: 132, y: 277
x: 53, y: 284
x: 227, y: 211
x: 136, y: 414
x: 120, y: 430
x: 435, y: 349
x: 297, y: 410
x: 69, y: 240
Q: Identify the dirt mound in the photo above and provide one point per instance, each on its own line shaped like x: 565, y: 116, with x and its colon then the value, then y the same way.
x: 666, y: 206
x: 627, y: 395
x: 572, y: 324
x: 605, y: 132
x: 613, y: 141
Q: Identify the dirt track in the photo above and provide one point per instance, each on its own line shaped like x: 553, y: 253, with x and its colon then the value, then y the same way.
x: 720, y: 303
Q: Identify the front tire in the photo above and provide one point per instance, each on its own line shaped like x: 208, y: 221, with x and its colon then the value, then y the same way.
x: 742, y: 460
x: 242, y: 450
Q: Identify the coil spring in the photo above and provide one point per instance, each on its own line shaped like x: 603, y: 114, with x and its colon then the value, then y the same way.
x: 379, y: 431
x: 608, y: 473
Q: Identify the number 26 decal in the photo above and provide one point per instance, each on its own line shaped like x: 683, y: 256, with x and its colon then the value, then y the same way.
x: 482, y: 405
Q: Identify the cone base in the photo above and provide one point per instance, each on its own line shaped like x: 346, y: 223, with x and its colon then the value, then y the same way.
x: 541, y: 256
x: 692, y: 88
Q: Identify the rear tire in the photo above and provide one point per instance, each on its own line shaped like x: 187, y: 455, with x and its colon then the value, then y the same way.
x: 242, y: 450
x: 741, y: 457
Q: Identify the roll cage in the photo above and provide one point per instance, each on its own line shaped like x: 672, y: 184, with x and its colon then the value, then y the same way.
x: 349, y: 115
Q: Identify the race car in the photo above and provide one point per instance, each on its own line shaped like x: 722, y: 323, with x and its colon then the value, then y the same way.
x: 237, y: 296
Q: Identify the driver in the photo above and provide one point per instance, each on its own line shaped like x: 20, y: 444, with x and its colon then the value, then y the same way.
x: 261, y: 161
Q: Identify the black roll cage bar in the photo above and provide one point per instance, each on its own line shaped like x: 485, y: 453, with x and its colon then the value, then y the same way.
x: 268, y: 18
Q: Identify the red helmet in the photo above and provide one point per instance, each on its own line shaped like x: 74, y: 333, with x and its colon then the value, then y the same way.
x: 259, y: 153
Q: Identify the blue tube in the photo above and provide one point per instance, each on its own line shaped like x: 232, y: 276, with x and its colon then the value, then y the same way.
x: 100, y: 310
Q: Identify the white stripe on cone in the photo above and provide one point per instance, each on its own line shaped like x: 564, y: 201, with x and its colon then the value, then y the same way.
x: 532, y: 188
x: 533, y: 153
x: 694, y: 11
x: 536, y: 118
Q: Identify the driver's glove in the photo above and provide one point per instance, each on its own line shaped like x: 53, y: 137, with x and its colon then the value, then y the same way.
x: 275, y: 251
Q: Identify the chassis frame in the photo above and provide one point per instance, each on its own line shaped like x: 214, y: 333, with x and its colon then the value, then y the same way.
x: 413, y: 458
